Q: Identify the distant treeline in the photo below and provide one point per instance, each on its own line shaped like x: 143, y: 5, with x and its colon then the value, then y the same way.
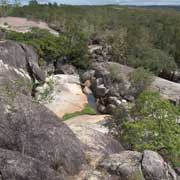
x: 140, y: 36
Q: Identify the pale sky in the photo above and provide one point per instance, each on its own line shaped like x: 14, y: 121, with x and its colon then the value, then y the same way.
x: 121, y: 2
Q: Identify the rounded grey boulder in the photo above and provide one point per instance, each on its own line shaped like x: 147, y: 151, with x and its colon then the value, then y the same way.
x: 16, y: 166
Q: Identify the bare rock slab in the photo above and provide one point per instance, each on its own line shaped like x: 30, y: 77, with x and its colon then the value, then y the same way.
x: 64, y: 94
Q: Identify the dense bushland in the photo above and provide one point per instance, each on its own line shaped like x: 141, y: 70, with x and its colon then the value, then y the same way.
x: 139, y: 36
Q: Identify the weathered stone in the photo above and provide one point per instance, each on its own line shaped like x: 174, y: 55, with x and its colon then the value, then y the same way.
x: 101, y: 108
x: 101, y: 91
x: 31, y: 128
x: 98, y: 82
x: 18, y: 65
x: 87, y: 83
x: 16, y: 166
x: 114, y: 100
x: 177, y: 169
x: 129, y: 98
x: 93, y: 136
x: 114, y: 92
x: 100, y: 59
x: 110, y: 108
x: 167, y: 89
x: 94, y: 48
x: 27, y: 126
x: 126, y: 164
x: 124, y: 101
x: 88, y: 75
x: 66, y: 69
x: 155, y: 168
x: 87, y: 91
x: 100, y: 70
x: 32, y: 62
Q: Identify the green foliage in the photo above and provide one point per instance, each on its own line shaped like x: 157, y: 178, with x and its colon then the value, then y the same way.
x: 46, y: 93
x: 50, y: 47
x: 155, y: 127
x: 155, y: 60
x: 140, y: 79
x: 115, y: 70
x: 17, y: 3
x: 119, y: 47
x: 144, y: 37
x: 4, y: 8
x: 33, y: 3
x: 87, y: 110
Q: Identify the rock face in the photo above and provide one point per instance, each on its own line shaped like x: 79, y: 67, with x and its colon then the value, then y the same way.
x: 94, y: 137
x: 126, y: 164
x: 27, y: 126
x: 19, y: 61
x: 32, y: 65
x: 14, y: 165
x: 100, y: 52
x: 131, y: 165
x: 65, y: 69
x: 32, y: 129
x: 111, y: 85
x: 155, y: 168
x: 62, y: 94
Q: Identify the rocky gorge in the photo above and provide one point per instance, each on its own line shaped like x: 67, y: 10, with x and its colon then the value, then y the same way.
x: 35, y: 144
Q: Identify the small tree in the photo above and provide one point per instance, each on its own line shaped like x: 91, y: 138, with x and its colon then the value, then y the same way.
x: 4, y: 7
x: 33, y: 2
x: 140, y: 79
x: 17, y: 3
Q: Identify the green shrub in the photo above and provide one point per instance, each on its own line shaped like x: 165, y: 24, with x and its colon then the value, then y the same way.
x: 153, y: 59
x: 140, y: 79
x: 51, y: 48
x: 115, y: 70
x: 87, y: 110
x: 46, y: 94
x: 155, y: 127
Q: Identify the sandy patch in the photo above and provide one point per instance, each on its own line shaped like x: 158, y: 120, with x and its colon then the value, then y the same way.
x: 23, y: 25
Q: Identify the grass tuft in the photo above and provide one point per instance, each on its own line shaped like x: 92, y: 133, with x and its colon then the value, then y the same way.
x: 87, y: 110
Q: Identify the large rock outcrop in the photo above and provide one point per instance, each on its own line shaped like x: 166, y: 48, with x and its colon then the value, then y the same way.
x: 97, y: 144
x: 111, y: 85
x: 94, y: 136
x: 26, y: 126
x: 32, y: 129
x: 126, y: 164
x: 155, y: 168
